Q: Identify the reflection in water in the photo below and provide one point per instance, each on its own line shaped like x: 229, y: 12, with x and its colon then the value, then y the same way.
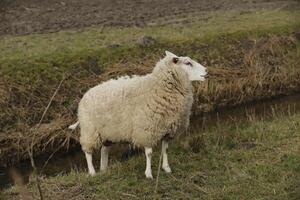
x: 64, y: 163
x: 248, y: 112
x: 60, y: 163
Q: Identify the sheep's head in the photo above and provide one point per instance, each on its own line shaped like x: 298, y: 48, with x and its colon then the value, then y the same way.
x: 195, y: 71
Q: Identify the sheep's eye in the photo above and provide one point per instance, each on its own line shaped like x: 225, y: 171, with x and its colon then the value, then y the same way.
x: 189, y: 63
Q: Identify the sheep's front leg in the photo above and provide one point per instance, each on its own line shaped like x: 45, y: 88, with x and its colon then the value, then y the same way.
x: 89, y: 160
x: 165, y: 163
x: 104, y: 157
x: 148, y: 153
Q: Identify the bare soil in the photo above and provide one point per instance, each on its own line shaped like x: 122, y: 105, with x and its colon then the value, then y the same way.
x: 19, y: 17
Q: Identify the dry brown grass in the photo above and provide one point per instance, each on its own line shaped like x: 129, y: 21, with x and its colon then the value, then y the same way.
x: 48, y: 137
x: 264, y: 71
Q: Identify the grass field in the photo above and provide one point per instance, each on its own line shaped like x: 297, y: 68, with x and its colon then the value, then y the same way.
x: 60, y: 47
x: 250, y: 160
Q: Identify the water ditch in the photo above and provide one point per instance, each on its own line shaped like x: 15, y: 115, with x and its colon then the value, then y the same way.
x: 62, y: 163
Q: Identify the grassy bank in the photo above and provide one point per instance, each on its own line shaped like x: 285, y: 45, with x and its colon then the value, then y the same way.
x: 256, y: 159
x: 250, y: 55
x: 55, y: 46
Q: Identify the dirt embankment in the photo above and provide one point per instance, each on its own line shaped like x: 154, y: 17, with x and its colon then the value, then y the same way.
x: 32, y: 16
x: 249, y: 69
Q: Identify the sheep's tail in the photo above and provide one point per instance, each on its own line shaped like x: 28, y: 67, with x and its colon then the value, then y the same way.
x: 74, y: 126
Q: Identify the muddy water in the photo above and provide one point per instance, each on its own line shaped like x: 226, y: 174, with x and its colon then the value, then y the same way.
x: 287, y: 105
x: 64, y: 163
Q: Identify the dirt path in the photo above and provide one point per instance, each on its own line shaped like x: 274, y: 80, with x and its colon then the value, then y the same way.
x: 20, y: 17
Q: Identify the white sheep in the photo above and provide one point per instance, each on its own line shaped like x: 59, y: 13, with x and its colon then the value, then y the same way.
x: 142, y: 110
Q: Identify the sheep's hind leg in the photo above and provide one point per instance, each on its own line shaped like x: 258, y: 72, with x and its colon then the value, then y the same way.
x: 104, y: 157
x: 89, y: 161
x: 148, y: 153
x: 165, y: 163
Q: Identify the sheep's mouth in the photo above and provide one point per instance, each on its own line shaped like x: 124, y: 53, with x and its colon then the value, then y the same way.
x: 205, y: 76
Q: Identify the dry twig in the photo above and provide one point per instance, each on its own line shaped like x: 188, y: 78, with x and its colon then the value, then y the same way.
x: 158, y: 171
x: 30, y: 150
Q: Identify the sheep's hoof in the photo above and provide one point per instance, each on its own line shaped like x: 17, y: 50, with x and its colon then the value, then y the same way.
x: 167, y: 169
x: 148, y: 175
x: 92, y: 173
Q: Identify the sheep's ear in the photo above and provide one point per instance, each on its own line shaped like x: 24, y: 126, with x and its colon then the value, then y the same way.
x: 169, y: 54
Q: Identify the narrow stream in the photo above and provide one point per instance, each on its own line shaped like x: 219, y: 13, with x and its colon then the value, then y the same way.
x: 64, y: 163
x: 286, y: 105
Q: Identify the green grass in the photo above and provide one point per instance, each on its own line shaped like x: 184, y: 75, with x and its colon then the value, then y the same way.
x: 57, y: 46
x: 251, y: 160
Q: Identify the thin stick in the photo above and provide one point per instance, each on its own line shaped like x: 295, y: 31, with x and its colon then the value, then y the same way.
x: 54, y: 94
x: 45, y: 111
x: 36, y: 174
x: 49, y: 158
x: 30, y: 150
x: 158, y: 171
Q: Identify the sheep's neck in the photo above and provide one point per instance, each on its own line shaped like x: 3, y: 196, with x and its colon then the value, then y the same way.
x: 174, y: 81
